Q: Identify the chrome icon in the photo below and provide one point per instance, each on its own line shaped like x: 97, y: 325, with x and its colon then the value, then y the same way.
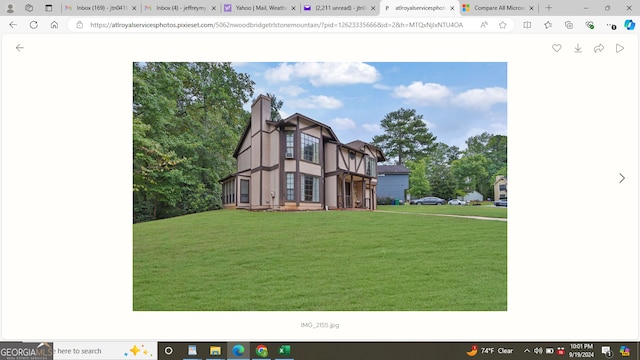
x: 262, y: 351
x: 238, y: 350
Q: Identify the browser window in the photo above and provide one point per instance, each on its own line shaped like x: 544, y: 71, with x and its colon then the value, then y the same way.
x: 282, y: 180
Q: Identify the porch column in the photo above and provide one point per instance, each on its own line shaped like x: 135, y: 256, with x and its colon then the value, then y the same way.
x: 352, y: 192
x: 364, y: 193
x: 344, y: 192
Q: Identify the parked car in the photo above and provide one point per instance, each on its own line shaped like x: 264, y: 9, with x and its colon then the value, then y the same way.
x: 429, y: 200
x: 501, y: 203
x: 457, y: 202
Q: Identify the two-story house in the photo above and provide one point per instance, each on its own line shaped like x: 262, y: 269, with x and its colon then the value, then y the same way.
x: 500, y: 188
x: 298, y: 163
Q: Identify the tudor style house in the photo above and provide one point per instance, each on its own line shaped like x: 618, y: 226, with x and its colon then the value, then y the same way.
x: 298, y: 163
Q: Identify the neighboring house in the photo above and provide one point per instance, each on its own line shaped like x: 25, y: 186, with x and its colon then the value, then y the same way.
x: 500, y: 188
x: 393, y: 181
x: 473, y: 196
x: 298, y: 163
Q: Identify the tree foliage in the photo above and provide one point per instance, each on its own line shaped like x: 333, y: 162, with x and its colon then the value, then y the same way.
x: 494, y: 149
x: 471, y: 173
x: 418, y: 183
x: 276, y: 105
x: 187, y: 119
x: 405, y: 137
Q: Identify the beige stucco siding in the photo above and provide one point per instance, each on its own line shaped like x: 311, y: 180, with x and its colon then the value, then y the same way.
x: 310, y: 168
x: 290, y: 165
x: 331, y: 191
x: 330, y: 157
x: 244, y: 156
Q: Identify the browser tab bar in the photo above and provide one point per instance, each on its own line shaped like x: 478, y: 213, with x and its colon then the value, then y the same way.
x: 550, y: 8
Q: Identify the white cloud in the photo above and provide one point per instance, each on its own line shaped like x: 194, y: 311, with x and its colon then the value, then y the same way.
x: 372, y: 128
x: 280, y: 74
x: 429, y: 124
x: 321, y: 74
x: 481, y: 99
x: 342, y: 123
x: 382, y: 87
x: 423, y: 93
x: 291, y: 90
x: 283, y: 114
x: 316, y: 102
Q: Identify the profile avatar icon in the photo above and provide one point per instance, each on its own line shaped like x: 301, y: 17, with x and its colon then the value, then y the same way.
x: 10, y: 8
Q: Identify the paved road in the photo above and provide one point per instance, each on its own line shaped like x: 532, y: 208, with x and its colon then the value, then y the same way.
x: 447, y: 215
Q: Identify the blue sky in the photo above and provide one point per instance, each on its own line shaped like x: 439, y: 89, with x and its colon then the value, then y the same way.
x: 457, y: 100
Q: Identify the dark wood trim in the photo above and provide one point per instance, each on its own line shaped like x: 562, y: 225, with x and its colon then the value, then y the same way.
x: 311, y: 127
x: 334, y: 173
x: 296, y: 155
x: 265, y: 168
x: 343, y: 159
x: 261, y: 148
x: 321, y: 159
x: 283, y: 178
x: 241, y: 171
x: 360, y: 163
x: 243, y: 151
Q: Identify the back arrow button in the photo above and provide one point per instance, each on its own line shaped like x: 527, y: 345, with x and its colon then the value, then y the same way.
x: 12, y: 24
x: 18, y: 47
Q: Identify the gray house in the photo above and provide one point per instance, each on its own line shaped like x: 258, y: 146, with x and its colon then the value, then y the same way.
x: 393, y: 181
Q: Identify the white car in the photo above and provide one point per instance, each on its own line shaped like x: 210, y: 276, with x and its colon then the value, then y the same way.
x: 457, y: 202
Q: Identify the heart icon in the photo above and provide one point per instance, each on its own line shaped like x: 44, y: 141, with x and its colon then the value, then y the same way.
x: 556, y: 47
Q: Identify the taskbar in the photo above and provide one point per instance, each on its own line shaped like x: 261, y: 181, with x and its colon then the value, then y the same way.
x: 321, y: 350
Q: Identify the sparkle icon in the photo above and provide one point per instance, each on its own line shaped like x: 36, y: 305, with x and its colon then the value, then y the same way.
x: 135, y: 350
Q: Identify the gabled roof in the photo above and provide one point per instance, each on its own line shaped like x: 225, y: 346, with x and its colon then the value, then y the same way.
x: 291, y: 121
x: 360, y: 145
x: 357, y: 145
x: 393, y: 169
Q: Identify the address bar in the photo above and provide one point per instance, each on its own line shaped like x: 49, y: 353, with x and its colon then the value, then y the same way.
x: 208, y: 24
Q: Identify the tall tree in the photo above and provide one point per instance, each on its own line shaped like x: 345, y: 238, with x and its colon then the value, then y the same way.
x: 406, y: 135
x: 276, y: 105
x: 187, y: 118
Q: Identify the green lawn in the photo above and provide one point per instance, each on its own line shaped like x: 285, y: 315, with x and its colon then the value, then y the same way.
x: 335, y: 260
x: 484, y: 210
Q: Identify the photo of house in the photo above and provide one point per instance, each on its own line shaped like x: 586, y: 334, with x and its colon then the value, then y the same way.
x: 298, y: 163
x: 279, y: 186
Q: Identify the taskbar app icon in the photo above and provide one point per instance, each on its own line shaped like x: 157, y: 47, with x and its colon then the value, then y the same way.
x: 238, y: 350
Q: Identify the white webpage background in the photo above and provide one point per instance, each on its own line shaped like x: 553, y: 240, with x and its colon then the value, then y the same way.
x: 572, y: 233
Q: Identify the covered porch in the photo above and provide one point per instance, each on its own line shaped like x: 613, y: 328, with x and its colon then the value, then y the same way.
x: 356, y: 191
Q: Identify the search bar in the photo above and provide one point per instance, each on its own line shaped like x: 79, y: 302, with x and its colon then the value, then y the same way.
x: 235, y: 25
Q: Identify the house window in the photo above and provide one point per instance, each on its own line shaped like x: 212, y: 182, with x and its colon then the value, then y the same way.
x: 289, y: 144
x: 244, y: 191
x: 310, y: 148
x: 290, y: 187
x: 503, y: 187
x: 370, y: 166
x: 310, y: 188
